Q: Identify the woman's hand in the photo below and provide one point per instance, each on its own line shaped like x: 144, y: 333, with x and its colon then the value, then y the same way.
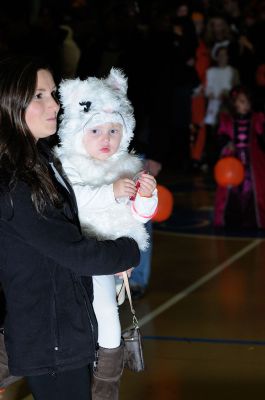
x: 129, y: 272
x: 124, y: 188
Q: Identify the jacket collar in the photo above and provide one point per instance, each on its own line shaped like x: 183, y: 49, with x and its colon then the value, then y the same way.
x: 61, y: 184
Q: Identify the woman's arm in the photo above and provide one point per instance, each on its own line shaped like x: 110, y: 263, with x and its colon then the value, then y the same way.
x: 57, y: 238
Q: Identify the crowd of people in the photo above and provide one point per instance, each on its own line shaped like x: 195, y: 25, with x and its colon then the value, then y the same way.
x: 181, y: 58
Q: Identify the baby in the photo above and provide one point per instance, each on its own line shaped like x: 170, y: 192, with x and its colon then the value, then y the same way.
x: 115, y: 197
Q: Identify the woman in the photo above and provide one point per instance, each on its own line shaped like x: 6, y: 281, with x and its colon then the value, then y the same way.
x: 45, y: 262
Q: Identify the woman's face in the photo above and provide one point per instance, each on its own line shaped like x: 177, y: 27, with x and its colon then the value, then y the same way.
x: 41, y: 113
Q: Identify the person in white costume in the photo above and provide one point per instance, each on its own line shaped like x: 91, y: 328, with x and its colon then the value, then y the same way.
x: 115, y: 197
x: 219, y: 81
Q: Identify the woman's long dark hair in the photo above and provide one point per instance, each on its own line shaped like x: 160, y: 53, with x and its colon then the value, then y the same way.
x: 20, y: 158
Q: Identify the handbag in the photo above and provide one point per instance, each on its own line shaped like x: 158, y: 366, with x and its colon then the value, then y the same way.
x: 133, y: 347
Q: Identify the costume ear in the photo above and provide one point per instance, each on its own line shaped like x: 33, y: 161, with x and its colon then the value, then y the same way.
x: 68, y: 90
x: 117, y: 80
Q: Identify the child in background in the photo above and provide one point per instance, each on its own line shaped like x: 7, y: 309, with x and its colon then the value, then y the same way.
x: 219, y: 81
x: 114, y: 195
x: 241, y: 133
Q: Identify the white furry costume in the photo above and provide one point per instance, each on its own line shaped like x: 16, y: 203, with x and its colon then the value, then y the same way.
x: 87, y: 104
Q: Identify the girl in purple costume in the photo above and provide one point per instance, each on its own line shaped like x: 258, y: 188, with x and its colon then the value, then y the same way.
x: 241, y: 134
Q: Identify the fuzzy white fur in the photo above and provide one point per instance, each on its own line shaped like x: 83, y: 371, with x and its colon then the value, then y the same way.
x: 108, y: 103
x: 91, y: 102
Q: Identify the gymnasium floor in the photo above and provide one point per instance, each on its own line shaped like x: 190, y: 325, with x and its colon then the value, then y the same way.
x: 203, y: 315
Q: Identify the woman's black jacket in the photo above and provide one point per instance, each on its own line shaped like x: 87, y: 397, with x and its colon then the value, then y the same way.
x: 45, y: 271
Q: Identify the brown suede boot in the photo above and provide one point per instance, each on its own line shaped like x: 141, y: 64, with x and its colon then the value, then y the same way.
x: 107, y: 373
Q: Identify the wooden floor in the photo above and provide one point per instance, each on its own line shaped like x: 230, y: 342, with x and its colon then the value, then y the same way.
x: 203, y: 317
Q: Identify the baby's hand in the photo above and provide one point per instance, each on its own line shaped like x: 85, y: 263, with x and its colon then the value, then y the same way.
x: 124, y: 188
x: 147, y: 185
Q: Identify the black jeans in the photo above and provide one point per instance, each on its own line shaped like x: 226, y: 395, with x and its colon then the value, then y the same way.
x: 66, y: 385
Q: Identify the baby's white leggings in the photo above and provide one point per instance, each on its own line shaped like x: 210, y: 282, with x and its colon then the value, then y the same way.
x: 106, y: 310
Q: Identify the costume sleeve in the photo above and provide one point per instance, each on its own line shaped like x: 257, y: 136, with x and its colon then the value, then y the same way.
x: 60, y: 240
x: 144, y: 208
x: 89, y: 198
x: 225, y: 126
x: 259, y: 123
x: 224, y: 138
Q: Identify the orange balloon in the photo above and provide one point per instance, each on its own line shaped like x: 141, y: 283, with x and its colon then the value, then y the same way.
x: 229, y: 171
x: 165, y: 204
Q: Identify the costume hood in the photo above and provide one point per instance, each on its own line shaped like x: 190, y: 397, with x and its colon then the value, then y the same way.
x: 91, y: 102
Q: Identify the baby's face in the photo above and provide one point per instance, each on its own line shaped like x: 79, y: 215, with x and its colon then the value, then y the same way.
x: 102, y: 141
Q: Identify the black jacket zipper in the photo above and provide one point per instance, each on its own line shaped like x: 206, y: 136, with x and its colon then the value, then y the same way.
x: 89, y: 310
x: 55, y: 321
